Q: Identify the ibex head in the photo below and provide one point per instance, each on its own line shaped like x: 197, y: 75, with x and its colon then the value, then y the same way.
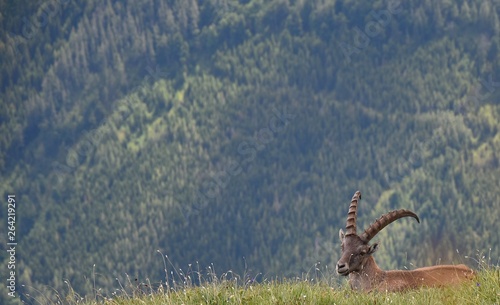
x: 355, y: 248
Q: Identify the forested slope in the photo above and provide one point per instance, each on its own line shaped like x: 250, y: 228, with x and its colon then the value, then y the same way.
x: 234, y: 133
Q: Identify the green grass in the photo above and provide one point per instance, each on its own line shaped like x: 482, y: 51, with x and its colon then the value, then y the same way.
x: 230, y: 289
x: 315, y: 287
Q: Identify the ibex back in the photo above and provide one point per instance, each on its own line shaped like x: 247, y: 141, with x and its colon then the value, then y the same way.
x: 364, y: 274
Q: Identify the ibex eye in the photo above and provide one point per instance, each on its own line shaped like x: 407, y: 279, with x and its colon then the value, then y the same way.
x: 363, y: 253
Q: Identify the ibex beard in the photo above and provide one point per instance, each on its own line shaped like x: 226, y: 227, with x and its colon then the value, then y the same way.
x: 357, y: 261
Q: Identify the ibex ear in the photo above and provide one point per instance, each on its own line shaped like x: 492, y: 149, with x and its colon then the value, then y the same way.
x: 373, y: 248
x: 341, y: 235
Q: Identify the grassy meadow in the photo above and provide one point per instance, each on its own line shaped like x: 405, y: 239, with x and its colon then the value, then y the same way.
x: 318, y: 289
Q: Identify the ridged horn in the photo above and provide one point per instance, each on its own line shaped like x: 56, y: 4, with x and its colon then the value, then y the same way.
x: 384, y: 221
x: 352, y: 215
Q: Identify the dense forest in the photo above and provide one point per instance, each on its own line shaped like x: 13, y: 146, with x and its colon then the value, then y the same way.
x: 233, y: 134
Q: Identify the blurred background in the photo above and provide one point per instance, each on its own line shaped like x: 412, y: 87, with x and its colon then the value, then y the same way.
x: 233, y: 134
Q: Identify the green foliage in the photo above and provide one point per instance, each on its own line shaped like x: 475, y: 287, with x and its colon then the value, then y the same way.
x: 234, y: 133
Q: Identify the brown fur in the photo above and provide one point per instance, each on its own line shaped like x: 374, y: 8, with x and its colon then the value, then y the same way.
x: 372, y: 278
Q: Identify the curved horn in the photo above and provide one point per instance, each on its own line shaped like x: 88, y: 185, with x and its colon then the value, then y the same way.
x: 352, y: 215
x: 385, y: 220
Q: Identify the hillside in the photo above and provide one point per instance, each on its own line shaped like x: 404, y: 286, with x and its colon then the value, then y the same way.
x: 233, y: 134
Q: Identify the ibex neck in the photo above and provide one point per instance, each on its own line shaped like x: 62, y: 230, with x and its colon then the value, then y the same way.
x: 367, y: 278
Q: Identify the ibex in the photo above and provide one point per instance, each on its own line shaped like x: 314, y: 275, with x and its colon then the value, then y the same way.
x: 357, y: 261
